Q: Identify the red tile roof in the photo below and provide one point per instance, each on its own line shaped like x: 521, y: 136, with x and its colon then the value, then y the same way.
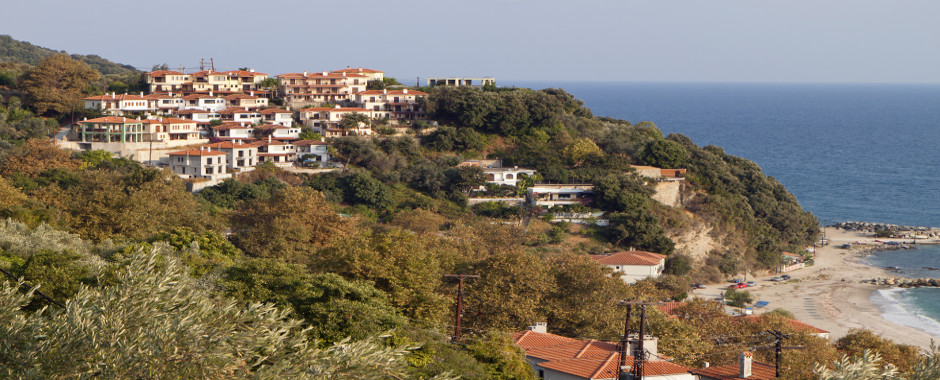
x: 244, y: 73
x: 197, y: 152
x: 759, y: 371
x: 116, y: 97
x: 334, y: 109
x: 111, y: 120
x: 268, y: 111
x: 310, y: 142
x: 320, y: 74
x: 230, y: 145
x: 163, y: 73
x: 392, y: 92
x: 606, y: 366
x: 630, y: 258
x: 359, y: 70
x: 669, y: 308
x: 190, y: 111
x: 228, y: 126
x: 234, y: 110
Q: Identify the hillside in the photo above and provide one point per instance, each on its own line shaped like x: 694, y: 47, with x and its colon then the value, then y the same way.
x: 15, y: 51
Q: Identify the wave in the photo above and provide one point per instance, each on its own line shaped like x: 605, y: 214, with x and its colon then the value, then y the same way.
x: 899, y: 306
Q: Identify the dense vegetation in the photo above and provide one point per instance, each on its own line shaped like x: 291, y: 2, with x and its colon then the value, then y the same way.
x: 343, y: 271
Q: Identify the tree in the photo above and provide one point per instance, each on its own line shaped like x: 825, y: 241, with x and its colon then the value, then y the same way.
x: 857, y: 341
x: 865, y: 367
x: 353, y: 120
x: 665, y: 154
x: 738, y: 298
x: 308, y: 134
x: 581, y: 150
x: 55, y: 85
x: 333, y: 307
x: 34, y: 157
x: 157, y: 323
x: 678, y: 265
x: 289, y: 226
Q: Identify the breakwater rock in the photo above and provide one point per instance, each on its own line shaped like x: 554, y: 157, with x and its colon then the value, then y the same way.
x: 904, y: 282
x: 892, y: 230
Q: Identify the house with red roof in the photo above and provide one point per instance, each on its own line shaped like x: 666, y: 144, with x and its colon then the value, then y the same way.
x: 306, y: 89
x: 174, y: 131
x: 315, y: 150
x: 555, y: 357
x: 121, y: 104
x: 241, y: 156
x: 111, y: 129
x: 745, y: 369
x: 393, y: 104
x: 325, y: 120
x: 226, y: 82
x: 281, y: 153
x: 370, y: 74
x: 632, y: 266
x: 247, y: 101
x: 166, y: 81
x: 200, y: 163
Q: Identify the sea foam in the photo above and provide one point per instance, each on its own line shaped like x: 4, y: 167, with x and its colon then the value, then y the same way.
x: 899, y: 307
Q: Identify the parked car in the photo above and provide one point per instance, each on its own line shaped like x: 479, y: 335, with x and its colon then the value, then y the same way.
x: 751, y: 283
x: 737, y: 286
x: 699, y: 286
x: 775, y: 279
x: 786, y: 277
x: 737, y: 281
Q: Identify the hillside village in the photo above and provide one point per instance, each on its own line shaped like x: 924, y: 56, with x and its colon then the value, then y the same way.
x: 350, y: 200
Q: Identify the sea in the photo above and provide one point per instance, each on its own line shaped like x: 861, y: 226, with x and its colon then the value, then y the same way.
x: 849, y: 152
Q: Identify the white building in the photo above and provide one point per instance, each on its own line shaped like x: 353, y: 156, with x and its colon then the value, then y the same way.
x: 204, y: 102
x: 241, y: 157
x: 277, y: 116
x: 393, y: 104
x: 318, y: 149
x: 201, y: 117
x: 280, y: 153
x: 120, y: 104
x: 240, y: 115
x: 632, y: 266
x: 325, y: 120
x: 506, y: 176
x: 201, y: 162
x: 304, y: 89
x: 563, y: 194
x: 234, y: 131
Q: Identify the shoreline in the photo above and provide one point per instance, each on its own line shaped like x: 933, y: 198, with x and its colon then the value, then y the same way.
x: 831, y: 294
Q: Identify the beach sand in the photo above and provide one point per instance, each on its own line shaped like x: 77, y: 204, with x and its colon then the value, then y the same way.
x: 829, y: 294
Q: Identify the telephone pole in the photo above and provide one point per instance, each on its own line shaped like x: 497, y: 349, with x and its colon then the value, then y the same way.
x: 639, y: 352
x: 459, y: 278
x: 778, y: 348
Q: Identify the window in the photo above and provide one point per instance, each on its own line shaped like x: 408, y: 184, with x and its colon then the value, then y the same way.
x: 209, y: 170
x: 209, y: 161
x: 241, y: 153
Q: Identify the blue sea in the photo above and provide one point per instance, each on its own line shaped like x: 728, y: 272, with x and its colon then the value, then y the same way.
x: 849, y: 152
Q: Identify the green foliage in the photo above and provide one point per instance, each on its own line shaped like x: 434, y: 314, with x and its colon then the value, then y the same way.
x: 865, y: 367
x: 678, y: 265
x: 857, y: 342
x: 308, y: 134
x: 231, y: 193
x: 331, y: 306
x: 203, y: 252
x: 361, y: 188
x: 502, y: 357
x: 446, y: 138
x: 18, y: 124
x: 664, y: 154
x: 353, y: 120
x: 158, y: 324
x: 497, y: 210
x: 738, y: 298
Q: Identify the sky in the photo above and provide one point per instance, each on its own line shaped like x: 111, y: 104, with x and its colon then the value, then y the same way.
x: 866, y: 41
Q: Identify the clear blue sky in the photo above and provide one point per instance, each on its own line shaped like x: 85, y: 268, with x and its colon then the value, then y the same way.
x: 623, y: 40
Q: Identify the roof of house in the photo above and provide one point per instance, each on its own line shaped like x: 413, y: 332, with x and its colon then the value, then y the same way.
x: 190, y: 111
x: 230, y: 145
x: 310, y: 142
x: 790, y: 254
x: 630, y: 258
x: 268, y: 111
x: 392, y: 92
x: 241, y: 96
x: 161, y: 73
x: 116, y: 97
x: 759, y: 371
x: 320, y: 74
x: 335, y: 109
x: 669, y: 308
x: 244, y: 73
x: 227, y: 126
x: 359, y: 70
x: 196, y: 152
x: 168, y: 120
x: 111, y: 120
x: 606, y: 367
x: 234, y: 110
x: 589, y: 359
x: 199, y: 96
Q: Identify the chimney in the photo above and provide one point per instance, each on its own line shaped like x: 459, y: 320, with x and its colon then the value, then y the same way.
x: 210, y: 92
x: 746, y: 358
x: 336, y: 106
x: 251, y: 70
x: 405, y: 91
x: 322, y: 139
x: 269, y: 139
x: 384, y: 91
x: 539, y: 327
x: 324, y: 73
x: 305, y: 73
x: 349, y: 67
x: 706, y: 365
x: 344, y: 73
x: 252, y: 93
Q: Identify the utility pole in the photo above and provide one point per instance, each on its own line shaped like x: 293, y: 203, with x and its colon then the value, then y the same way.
x: 639, y: 352
x: 778, y: 348
x: 212, y: 62
x: 459, y: 278
x: 639, y: 355
x: 202, y: 64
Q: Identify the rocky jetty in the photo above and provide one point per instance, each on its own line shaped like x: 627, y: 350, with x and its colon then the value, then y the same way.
x: 904, y: 282
x: 891, y: 230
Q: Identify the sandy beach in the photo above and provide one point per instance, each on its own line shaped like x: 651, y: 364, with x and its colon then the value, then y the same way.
x: 829, y: 294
